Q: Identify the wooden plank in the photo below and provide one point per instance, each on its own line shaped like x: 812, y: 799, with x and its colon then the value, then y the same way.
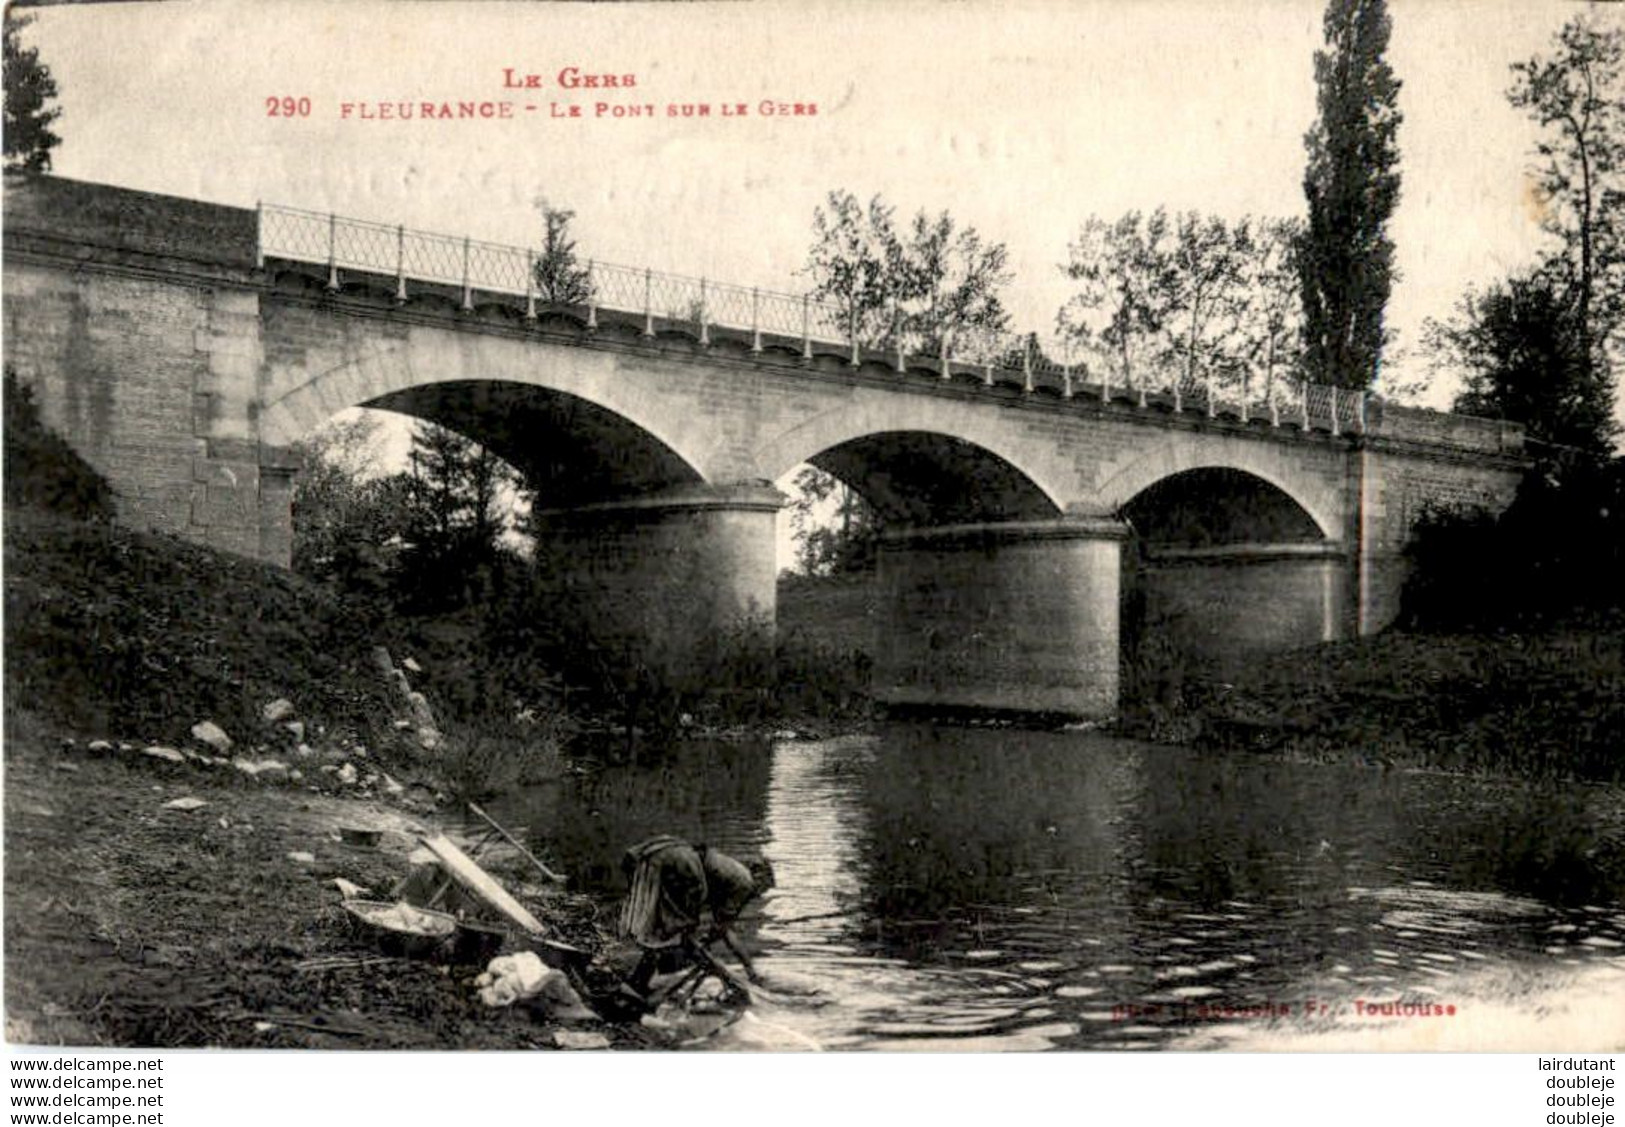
x: 557, y: 878
x: 481, y: 884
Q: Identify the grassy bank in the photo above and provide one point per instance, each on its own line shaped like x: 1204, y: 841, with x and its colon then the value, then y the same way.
x: 129, y: 921
x: 1549, y: 704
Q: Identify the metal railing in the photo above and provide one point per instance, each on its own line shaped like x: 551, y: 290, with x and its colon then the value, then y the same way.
x: 662, y: 301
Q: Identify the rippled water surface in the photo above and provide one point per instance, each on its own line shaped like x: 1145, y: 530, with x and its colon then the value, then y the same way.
x: 980, y: 889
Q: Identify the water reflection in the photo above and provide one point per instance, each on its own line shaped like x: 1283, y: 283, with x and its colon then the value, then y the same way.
x: 965, y: 889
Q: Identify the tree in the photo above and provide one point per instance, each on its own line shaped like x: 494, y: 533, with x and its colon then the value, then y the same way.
x: 851, y: 261
x: 1576, y: 97
x: 347, y: 518
x: 29, y: 89
x: 41, y: 470
x: 457, y: 495
x: 560, y: 278
x: 1269, y: 319
x: 846, y: 543
x: 1352, y: 186
x: 1121, y: 307
x: 932, y: 285
x: 948, y: 284
x: 1203, y: 274
x: 1524, y: 357
x: 1192, y: 293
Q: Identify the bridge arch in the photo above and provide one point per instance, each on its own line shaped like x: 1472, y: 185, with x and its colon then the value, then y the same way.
x: 1317, y: 493
x: 847, y: 426
x: 428, y: 363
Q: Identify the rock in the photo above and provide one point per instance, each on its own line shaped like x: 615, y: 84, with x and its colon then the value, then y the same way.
x: 347, y: 774
x: 580, y: 1039
x: 185, y: 804
x: 392, y: 787
x: 422, y: 714
x: 382, y: 661
x: 99, y: 747
x: 786, y: 734
x: 296, y: 775
x: 300, y: 857
x: 64, y: 765
x: 168, y: 754
x: 349, y: 889
x: 278, y: 710
x: 304, y: 751
x: 429, y: 738
x: 212, y: 734
x: 273, y: 771
x: 403, y: 725
x: 412, y: 666
x: 296, y: 729
x: 270, y: 770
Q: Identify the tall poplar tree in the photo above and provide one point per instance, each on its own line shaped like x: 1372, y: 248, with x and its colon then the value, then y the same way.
x: 1352, y: 185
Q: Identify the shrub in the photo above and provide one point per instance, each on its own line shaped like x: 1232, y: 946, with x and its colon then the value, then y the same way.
x: 1557, y: 552
x: 41, y: 470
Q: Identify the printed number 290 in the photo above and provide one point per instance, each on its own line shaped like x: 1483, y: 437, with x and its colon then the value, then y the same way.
x: 287, y: 107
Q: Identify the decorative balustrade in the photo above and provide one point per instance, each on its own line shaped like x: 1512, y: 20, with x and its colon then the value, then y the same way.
x: 660, y: 300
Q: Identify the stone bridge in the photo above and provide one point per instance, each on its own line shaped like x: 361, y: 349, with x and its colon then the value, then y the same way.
x: 184, y: 353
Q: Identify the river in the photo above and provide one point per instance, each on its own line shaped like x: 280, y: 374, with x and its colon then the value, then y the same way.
x: 974, y: 888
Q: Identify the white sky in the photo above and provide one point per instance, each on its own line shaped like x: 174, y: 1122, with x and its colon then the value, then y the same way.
x: 1021, y: 118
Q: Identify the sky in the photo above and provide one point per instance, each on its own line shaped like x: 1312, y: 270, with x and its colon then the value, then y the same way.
x: 1022, y: 119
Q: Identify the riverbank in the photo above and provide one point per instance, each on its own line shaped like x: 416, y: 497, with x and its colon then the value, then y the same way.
x: 1547, y: 704
x: 133, y: 919
x: 171, y: 882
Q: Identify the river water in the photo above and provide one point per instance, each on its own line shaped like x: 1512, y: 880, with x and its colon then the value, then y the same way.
x: 966, y: 888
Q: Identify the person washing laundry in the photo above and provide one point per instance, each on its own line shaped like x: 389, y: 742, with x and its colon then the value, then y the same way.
x: 683, y: 898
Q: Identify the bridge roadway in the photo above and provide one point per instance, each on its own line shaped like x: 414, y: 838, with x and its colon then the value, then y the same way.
x: 184, y: 348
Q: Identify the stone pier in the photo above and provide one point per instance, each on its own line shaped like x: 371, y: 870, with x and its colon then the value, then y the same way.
x: 1018, y: 617
x: 1221, y: 607
x: 669, y: 571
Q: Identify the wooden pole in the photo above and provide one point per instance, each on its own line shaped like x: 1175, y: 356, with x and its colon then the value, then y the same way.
x: 557, y: 878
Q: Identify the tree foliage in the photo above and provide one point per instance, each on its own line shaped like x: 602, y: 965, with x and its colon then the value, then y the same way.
x: 1188, y: 293
x: 1577, y: 97
x: 1519, y: 349
x: 1351, y: 182
x: 835, y: 529
x: 29, y: 91
x: 348, y: 519
x: 1540, y: 348
x: 42, y: 471
x: 929, y: 284
x: 558, y: 273
x: 458, y: 498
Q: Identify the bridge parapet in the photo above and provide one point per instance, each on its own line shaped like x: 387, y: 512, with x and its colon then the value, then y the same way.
x: 1440, y: 428
x: 122, y: 219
